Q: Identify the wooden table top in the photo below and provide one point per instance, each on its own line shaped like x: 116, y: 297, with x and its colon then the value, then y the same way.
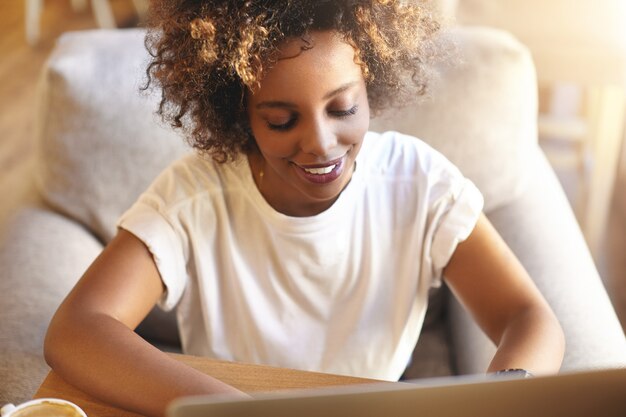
x: 246, y: 377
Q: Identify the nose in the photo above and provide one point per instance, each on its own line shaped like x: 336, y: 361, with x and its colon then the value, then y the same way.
x: 319, y: 139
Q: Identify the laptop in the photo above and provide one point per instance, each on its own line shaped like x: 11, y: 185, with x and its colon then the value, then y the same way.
x: 577, y: 394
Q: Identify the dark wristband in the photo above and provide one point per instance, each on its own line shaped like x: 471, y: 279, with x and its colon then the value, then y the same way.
x: 517, y: 372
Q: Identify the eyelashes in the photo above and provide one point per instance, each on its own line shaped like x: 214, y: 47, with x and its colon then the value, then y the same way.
x: 340, y: 114
x: 284, y: 126
x: 345, y: 113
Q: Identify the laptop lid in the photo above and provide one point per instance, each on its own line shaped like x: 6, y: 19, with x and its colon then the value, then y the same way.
x: 591, y: 393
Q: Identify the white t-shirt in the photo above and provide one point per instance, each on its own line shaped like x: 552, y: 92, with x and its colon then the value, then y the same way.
x: 344, y: 291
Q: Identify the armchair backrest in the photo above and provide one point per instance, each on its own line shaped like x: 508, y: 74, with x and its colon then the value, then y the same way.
x: 99, y: 139
x: 480, y: 112
x: 101, y: 143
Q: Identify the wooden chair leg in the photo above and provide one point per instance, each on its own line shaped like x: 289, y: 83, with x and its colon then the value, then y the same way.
x: 103, y: 14
x: 141, y: 6
x: 33, y: 15
x: 79, y: 5
x: 622, y: 162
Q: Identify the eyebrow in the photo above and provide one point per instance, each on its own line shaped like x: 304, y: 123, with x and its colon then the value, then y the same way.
x: 340, y: 89
x: 288, y: 105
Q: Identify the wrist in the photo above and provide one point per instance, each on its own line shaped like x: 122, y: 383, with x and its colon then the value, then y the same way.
x: 514, y: 372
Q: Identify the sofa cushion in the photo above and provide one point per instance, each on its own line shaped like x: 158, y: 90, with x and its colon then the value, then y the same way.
x: 100, y: 141
x: 481, y: 111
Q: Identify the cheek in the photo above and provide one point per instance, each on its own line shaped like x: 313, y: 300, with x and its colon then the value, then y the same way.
x: 271, y: 146
x: 266, y: 140
x: 355, y: 131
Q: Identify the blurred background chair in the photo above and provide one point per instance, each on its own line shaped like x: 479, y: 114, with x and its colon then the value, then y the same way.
x: 101, y: 9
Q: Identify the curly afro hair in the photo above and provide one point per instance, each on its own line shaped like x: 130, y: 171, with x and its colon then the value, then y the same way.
x: 207, y: 54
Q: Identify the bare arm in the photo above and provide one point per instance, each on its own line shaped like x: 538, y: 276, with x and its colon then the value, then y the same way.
x: 91, y: 344
x: 495, y: 288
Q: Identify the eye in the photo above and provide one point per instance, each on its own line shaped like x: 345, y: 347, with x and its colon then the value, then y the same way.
x: 344, y: 113
x: 283, y: 126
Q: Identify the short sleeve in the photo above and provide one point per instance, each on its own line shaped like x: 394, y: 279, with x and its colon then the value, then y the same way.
x: 149, y: 225
x: 455, y: 218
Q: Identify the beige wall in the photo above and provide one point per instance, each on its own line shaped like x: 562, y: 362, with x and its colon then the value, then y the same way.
x: 579, y: 40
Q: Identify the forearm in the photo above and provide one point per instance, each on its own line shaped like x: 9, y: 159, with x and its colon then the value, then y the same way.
x: 106, y: 359
x: 533, y: 340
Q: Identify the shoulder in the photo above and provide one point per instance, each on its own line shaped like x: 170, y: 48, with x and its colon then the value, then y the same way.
x: 190, y: 178
x: 400, y: 154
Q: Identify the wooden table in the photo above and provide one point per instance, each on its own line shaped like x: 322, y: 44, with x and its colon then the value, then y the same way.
x: 246, y: 377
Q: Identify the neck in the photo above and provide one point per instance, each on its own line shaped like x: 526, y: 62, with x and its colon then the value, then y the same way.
x: 274, y: 195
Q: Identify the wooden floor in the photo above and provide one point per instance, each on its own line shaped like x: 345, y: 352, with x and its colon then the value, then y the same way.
x: 19, y: 68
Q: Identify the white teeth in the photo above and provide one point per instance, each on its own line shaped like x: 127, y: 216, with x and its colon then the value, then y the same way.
x: 320, y: 171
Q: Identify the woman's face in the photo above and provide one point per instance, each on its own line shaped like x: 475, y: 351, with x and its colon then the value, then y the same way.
x: 308, y: 118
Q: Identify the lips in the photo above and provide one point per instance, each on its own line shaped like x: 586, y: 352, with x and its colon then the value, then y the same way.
x: 321, y: 173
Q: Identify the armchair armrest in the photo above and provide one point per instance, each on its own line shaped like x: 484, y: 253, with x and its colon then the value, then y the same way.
x: 42, y: 255
x: 541, y: 229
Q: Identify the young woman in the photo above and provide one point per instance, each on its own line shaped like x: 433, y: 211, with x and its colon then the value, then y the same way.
x: 293, y: 237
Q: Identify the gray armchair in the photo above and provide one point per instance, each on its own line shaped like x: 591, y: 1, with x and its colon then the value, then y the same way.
x: 100, y: 145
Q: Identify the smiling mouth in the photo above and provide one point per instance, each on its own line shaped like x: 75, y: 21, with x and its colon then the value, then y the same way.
x: 322, y: 173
